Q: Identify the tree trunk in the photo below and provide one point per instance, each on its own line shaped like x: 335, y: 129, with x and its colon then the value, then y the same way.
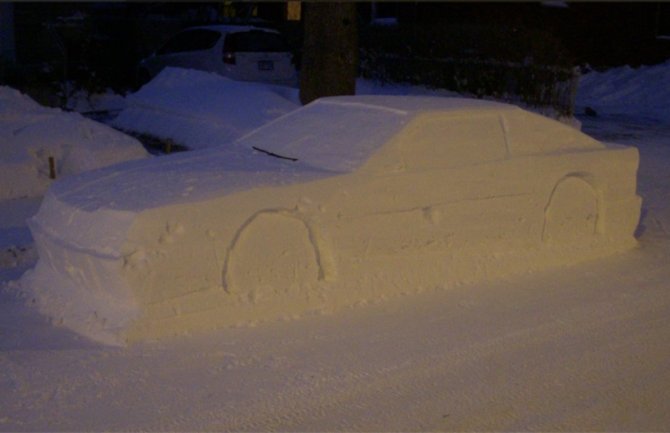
x: 330, y: 50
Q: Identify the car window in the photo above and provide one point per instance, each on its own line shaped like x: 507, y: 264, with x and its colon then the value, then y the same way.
x: 254, y: 41
x: 191, y: 40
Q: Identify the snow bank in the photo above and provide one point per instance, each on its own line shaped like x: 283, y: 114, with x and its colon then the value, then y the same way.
x: 202, y: 109
x: 641, y: 92
x: 424, y: 193
x: 31, y: 133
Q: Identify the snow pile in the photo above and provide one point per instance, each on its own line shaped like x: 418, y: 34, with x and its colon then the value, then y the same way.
x: 202, y: 109
x: 30, y: 134
x: 403, y: 194
x: 641, y: 92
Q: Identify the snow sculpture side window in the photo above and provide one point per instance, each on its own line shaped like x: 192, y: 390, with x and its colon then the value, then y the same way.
x: 439, y: 141
x: 530, y: 133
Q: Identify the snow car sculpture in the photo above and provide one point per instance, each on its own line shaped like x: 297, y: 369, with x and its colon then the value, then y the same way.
x: 344, y: 200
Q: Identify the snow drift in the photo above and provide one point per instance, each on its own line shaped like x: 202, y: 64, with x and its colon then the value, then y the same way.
x: 346, y: 200
x: 202, y: 109
x: 637, y: 92
x: 31, y: 133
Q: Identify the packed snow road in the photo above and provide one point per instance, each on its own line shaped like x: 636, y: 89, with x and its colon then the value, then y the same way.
x: 580, y: 348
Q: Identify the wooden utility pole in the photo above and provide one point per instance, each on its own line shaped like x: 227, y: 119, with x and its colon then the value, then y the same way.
x: 330, y: 50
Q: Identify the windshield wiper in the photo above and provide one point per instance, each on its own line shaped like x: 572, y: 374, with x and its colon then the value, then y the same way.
x: 267, y: 152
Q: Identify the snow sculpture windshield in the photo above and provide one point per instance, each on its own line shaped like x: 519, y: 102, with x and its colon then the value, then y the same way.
x: 336, y: 136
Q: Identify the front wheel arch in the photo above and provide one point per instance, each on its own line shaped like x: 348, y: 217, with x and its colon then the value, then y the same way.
x: 276, y: 251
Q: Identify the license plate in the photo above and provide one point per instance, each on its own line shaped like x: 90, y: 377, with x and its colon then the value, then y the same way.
x: 266, y: 65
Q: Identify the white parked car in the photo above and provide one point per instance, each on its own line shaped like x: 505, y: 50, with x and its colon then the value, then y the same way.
x: 345, y: 200
x: 245, y: 53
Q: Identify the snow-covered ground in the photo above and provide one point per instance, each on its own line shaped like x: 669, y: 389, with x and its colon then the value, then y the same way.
x: 579, y: 348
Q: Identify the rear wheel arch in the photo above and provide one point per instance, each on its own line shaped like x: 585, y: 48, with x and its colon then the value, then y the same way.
x: 574, y: 210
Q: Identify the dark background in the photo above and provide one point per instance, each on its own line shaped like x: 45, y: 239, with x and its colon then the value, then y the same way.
x: 98, y: 45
